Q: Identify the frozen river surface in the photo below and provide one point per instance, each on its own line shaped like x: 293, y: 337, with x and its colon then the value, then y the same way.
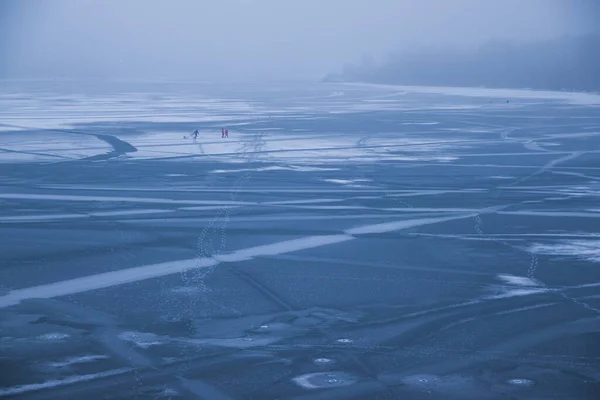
x: 345, y: 242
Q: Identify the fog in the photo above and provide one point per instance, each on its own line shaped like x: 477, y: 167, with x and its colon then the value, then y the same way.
x: 258, y: 39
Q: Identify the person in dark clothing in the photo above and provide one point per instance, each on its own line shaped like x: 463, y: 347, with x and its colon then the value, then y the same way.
x: 195, y: 134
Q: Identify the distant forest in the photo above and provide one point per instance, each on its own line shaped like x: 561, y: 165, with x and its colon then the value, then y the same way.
x: 569, y: 63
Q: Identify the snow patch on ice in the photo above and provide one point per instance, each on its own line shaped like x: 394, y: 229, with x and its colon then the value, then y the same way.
x: 520, y: 382
x: 54, y: 336
x: 17, y: 390
x: 207, y: 208
x: 517, y: 280
x: 54, y: 217
x: 227, y: 171
x: 296, y: 168
x: 135, y: 274
x: 304, y: 168
x: 517, y: 293
x: 323, y: 361
x: 169, y: 392
x: 346, y: 181
x: 307, y: 201
x: 323, y: 380
x: 286, y: 246
x: 39, y: 218
x: 584, y: 249
x: 76, y: 360
x: 141, y: 339
x: 27, y: 196
x: 398, y: 225
x: 570, y: 97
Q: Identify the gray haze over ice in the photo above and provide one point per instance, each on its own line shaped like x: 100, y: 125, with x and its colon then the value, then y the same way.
x: 347, y: 240
x: 249, y: 39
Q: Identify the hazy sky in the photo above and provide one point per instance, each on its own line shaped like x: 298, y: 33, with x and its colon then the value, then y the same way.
x: 233, y: 39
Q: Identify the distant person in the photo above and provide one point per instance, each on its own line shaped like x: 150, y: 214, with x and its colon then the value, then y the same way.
x: 226, y: 133
x: 222, y: 132
x: 195, y: 134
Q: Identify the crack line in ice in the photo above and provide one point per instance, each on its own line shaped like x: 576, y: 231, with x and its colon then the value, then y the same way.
x: 53, y: 217
x: 24, y: 196
x: 77, y: 360
x: 15, y: 390
x: 540, y: 287
x: 135, y: 274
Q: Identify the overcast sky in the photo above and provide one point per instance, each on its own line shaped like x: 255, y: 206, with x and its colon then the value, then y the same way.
x: 249, y: 39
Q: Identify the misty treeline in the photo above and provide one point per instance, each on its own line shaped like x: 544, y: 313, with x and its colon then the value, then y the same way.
x: 568, y: 63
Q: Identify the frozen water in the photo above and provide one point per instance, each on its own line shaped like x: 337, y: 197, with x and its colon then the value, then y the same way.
x: 141, y: 339
x: 585, y: 249
x: 517, y: 280
x: 345, y: 241
x: 323, y: 361
x: 21, y: 389
x: 324, y: 380
x: 53, y: 336
x: 521, y: 382
x: 76, y: 360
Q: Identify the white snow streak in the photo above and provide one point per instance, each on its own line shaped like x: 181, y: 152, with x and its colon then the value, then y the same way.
x: 129, y: 275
